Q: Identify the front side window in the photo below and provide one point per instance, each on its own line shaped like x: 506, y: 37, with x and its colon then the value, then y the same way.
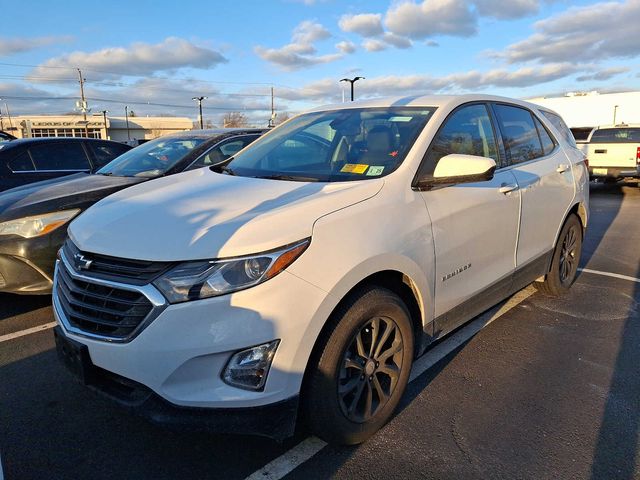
x: 519, y: 133
x: 467, y: 131
x: 153, y: 158
x: 223, y: 151
x: 331, y: 146
x: 103, y: 153
x: 616, y: 135
x: 59, y: 156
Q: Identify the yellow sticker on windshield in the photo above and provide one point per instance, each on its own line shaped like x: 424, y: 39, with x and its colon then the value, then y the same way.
x: 354, y: 168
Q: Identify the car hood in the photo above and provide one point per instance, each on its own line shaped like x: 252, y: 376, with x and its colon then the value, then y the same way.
x: 202, y: 215
x: 75, y: 191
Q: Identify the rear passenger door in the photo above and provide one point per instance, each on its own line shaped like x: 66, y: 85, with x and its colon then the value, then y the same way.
x: 475, y: 225
x: 545, y: 178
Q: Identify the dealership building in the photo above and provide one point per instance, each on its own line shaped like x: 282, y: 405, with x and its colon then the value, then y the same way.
x: 584, y: 110
x: 120, y: 129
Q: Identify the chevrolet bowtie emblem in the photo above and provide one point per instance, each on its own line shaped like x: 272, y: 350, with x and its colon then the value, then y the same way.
x: 81, y: 263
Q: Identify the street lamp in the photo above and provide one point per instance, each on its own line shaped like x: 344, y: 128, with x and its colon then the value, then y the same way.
x: 126, y: 117
x: 615, y: 111
x: 352, y: 81
x: 199, y: 100
x: 104, y: 117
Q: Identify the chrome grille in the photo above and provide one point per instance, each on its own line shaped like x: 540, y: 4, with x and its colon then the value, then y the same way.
x: 102, y: 309
x: 135, y: 272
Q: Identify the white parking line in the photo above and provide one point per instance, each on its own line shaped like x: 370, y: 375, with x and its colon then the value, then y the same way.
x: 288, y: 461
x: 28, y: 331
x: 609, y: 274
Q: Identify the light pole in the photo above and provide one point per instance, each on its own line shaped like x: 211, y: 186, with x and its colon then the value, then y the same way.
x: 104, y: 117
x: 126, y: 117
x: 615, y: 111
x: 352, y: 81
x: 199, y: 100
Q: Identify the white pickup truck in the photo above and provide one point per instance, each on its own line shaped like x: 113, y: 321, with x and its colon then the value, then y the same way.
x: 613, y: 152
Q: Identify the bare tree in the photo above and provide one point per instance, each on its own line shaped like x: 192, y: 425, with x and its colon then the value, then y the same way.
x: 282, y: 117
x: 234, y: 120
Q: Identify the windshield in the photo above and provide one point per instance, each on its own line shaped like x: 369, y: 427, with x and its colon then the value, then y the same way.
x: 151, y: 159
x: 331, y: 146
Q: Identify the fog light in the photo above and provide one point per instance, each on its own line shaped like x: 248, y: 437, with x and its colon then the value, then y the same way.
x: 248, y: 368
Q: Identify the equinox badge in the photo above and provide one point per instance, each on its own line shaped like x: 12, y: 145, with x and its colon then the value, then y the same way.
x: 456, y: 272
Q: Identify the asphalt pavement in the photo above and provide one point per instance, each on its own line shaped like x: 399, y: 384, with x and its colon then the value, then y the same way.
x: 550, y: 389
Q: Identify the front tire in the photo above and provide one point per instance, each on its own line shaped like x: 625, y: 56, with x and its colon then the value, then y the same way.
x: 566, y: 257
x: 361, y: 368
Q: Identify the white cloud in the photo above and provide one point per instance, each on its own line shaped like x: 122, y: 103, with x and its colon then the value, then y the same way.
x: 431, y: 17
x: 11, y: 46
x: 346, y: 47
x: 604, y: 74
x: 138, y: 59
x: 397, y: 41
x: 364, y: 24
x: 326, y: 90
x: 506, y: 10
x: 596, y: 32
x: 301, y: 52
x: 308, y: 32
x: 373, y: 45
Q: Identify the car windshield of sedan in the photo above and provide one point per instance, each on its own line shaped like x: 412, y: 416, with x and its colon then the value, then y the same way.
x: 333, y: 146
x: 151, y: 159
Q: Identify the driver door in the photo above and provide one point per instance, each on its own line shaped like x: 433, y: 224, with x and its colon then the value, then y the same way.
x: 475, y: 225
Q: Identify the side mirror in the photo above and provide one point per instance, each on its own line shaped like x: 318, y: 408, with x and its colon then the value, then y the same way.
x: 457, y: 168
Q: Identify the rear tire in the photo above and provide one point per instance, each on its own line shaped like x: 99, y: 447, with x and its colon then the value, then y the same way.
x: 361, y: 369
x: 566, y: 257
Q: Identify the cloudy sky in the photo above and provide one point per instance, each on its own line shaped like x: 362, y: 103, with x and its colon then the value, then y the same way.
x: 155, y: 58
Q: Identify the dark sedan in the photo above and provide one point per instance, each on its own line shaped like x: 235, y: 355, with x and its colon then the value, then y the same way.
x: 29, y: 160
x: 34, y: 218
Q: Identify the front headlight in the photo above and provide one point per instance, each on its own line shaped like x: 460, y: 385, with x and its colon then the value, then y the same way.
x: 196, y: 280
x: 29, y: 227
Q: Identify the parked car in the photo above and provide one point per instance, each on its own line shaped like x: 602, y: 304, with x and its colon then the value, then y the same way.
x: 614, y: 152
x: 29, y: 160
x: 6, y: 137
x: 34, y: 218
x: 302, y: 278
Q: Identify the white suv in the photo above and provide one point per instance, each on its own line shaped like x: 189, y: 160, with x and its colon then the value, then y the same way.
x: 301, y: 280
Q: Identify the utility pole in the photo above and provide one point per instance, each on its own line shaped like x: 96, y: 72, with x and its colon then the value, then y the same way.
x: 126, y: 117
x: 6, y: 107
x: 83, y: 104
x: 272, y: 120
x: 352, y: 81
x: 199, y: 100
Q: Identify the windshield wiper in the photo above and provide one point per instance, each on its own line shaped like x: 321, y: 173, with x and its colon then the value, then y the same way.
x: 294, y: 178
x: 222, y: 169
x: 106, y: 174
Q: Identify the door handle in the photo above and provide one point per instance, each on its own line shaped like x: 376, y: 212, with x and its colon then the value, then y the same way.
x: 507, y: 188
x: 563, y: 167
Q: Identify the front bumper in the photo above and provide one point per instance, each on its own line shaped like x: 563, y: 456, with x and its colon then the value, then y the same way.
x: 276, y: 421
x: 179, y: 357
x: 27, y: 264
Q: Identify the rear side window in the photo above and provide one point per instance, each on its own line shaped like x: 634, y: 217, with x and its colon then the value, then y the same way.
x: 21, y: 163
x: 519, y: 133
x: 59, y: 156
x: 467, y: 131
x: 558, y: 123
x: 548, y: 144
x: 105, y: 152
x: 616, y: 135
